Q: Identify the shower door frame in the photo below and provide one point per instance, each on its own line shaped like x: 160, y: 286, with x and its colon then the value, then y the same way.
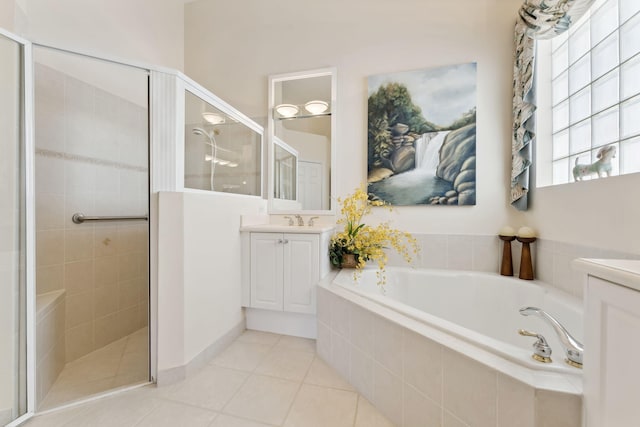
x: 28, y: 176
x: 29, y: 120
x: 151, y: 213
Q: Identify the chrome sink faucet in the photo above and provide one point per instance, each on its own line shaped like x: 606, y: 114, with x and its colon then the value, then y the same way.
x: 300, y: 220
x: 290, y: 219
x: 311, y: 220
x: 572, y: 347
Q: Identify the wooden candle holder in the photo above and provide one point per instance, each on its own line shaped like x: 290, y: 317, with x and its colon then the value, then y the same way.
x: 506, y: 268
x: 526, y: 266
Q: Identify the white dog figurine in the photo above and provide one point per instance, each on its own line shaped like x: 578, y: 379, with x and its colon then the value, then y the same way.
x: 600, y: 166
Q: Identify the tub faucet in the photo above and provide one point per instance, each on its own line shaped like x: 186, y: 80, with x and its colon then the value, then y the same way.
x: 572, y: 347
x: 300, y: 220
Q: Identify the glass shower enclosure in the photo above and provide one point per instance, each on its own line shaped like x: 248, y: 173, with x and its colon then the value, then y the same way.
x: 87, y: 145
x: 14, y: 227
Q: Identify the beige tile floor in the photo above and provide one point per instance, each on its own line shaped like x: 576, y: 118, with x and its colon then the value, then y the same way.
x: 123, y: 362
x: 260, y: 380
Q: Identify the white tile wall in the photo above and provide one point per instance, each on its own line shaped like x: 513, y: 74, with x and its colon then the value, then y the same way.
x: 417, y: 382
x: 551, y: 259
x: 454, y: 252
x: 91, y: 157
x: 554, y: 258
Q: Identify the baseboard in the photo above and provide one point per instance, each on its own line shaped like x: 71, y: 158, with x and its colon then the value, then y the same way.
x: 280, y: 322
x: 179, y: 373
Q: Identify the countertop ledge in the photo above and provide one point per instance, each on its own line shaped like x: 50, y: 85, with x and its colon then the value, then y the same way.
x: 621, y: 271
x: 279, y: 228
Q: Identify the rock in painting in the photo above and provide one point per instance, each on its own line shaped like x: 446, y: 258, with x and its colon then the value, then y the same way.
x: 378, y: 174
x: 464, y: 177
x: 467, y: 197
x: 458, y: 147
x: 399, y: 129
x: 403, y: 159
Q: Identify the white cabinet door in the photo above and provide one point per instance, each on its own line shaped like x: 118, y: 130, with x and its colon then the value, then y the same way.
x: 266, y: 270
x: 612, y: 352
x: 301, y: 272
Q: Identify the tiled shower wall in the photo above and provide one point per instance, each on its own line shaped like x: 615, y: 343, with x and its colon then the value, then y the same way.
x: 91, y: 157
x: 551, y: 259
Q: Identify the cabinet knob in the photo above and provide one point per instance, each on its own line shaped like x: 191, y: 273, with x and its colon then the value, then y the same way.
x: 286, y: 241
x: 280, y: 241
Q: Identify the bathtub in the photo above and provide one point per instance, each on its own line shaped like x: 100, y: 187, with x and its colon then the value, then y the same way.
x: 436, y: 340
x: 480, y: 308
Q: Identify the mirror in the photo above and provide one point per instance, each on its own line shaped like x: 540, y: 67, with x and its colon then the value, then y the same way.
x: 301, y: 124
x: 285, y: 169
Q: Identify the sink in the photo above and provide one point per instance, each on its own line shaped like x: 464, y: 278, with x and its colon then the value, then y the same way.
x: 282, y: 228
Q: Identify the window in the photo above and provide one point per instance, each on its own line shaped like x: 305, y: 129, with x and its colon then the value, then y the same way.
x: 595, y: 90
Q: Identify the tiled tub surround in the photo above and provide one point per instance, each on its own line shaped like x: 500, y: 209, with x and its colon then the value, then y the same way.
x: 419, y: 376
x: 91, y: 157
x: 551, y: 259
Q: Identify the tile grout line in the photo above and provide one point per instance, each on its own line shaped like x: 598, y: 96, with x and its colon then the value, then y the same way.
x: 251, y: 373
x: 295, y: 397
x: 355, y: 415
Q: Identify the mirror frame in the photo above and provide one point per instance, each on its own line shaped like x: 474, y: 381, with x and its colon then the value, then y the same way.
x: 279, y: 78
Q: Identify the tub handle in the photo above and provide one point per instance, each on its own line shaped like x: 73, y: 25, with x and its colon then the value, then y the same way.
x: 541, y: 350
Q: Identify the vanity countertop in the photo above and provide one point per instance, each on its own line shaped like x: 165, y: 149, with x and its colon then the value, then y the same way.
x: 280, y: 228
x: 625, y: 272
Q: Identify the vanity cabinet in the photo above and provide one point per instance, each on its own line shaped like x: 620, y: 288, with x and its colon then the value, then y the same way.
x: 281, y: 267
x: 285, y: 268
x: 612, y: 347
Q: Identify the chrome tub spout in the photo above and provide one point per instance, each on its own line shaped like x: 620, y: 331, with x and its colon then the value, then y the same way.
x: 572, y: 347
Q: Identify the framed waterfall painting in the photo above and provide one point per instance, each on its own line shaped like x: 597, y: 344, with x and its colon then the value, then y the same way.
x: 422, y: 136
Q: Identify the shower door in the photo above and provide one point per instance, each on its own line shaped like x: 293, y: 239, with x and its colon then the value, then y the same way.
x: 92, y: 233
x: 13, y: 236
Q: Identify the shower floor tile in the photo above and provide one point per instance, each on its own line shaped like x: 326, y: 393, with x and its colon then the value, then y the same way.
x: 121, y: 363
x: 255, y: 392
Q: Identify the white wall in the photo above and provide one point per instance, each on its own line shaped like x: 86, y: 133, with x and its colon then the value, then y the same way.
x: 7, y: 10
x: 602, y: 213
x: 252, y: 39
x: 149, y: 31
x: 200, y: 266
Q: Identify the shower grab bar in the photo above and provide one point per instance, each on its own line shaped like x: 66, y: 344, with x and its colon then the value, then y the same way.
x: 79, y: 218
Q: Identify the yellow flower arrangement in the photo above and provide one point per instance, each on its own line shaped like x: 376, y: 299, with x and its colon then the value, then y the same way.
x: 365, y: 242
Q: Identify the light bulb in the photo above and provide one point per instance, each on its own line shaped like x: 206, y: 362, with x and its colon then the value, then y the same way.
x: 316, y: 106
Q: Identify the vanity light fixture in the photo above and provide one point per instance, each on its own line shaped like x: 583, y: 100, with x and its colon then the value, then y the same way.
x: 287, y: 110
x: 213, y: 118
x: 316, y: 106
